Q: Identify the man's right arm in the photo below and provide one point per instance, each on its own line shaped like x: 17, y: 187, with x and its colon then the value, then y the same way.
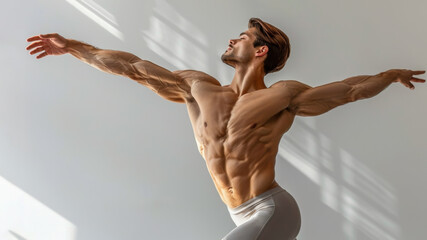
x: 165, y: 83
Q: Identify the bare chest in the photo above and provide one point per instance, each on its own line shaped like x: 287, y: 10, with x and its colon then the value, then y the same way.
x: 220, y: 117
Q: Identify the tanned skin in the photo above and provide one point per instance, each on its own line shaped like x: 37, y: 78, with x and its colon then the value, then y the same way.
x: 237, y: 127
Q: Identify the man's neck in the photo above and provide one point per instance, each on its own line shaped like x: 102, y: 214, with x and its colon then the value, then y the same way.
x: 248, y: 79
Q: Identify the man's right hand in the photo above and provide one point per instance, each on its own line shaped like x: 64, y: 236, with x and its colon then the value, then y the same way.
x: 48, y: 44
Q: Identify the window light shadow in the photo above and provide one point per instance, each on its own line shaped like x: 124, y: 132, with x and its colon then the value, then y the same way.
x: 367, y: 203
x: 15, y: 236
x: 99, y: 15
x: 167, y: 37
x: 22, y: 217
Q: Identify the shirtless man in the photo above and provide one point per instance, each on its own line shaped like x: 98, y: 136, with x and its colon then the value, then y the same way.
x: 238, y: 127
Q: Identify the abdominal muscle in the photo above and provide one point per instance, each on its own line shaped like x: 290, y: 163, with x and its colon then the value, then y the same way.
x: 242, y: 174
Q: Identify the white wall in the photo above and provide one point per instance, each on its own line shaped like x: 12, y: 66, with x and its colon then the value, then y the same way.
x: 105, y: 158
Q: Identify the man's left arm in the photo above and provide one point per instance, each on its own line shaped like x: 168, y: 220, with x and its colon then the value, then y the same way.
x: 318, y: 100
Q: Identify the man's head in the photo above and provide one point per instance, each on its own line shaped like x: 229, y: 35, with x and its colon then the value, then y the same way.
x: 267, y: 42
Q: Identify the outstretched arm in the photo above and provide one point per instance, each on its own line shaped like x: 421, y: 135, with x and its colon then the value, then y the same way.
x: 165, y: 83
x: 315, y: 101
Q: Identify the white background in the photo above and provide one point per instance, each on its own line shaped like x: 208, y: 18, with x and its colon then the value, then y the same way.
x: 118, y: 162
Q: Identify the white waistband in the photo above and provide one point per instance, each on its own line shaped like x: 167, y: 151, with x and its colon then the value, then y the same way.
x: 254, y: 201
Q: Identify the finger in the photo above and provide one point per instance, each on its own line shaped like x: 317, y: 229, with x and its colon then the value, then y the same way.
x: 418, y: 72
x: 36, y: 50
x: 35, y: 44
x: 34, y: 38
x: 417, y: 80
x: 406, y: 84
x: 50, y: 35
x: 410, y: 85
x: 42, y: 55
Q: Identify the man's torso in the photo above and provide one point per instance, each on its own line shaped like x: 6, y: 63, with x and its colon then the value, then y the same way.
x: 238, y: 136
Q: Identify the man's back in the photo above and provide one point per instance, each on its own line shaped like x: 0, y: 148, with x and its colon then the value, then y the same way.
x: 238, y: 136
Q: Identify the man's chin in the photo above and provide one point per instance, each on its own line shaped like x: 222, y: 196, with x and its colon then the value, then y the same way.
x: 227, y: 60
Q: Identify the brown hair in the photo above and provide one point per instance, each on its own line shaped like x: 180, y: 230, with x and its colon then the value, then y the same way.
x: 277, y: 42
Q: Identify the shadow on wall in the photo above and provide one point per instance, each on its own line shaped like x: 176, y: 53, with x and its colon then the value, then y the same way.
x: 15, y: 236
x: 175, y: 39
x: 23, y: 217
x: 367, y: 204
x: 99, y: 15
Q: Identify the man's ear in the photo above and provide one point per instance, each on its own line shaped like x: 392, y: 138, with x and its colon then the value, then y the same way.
x: 261, y: 51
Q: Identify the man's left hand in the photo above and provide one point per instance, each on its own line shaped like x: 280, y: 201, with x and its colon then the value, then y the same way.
x: 405, y: 76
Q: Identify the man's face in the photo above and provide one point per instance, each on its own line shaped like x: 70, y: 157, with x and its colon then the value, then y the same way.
x: 240, y: 50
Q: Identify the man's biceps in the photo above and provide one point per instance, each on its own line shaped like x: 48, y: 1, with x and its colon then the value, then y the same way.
x: 313, y: 107
x: 307, y: 100
x: 302, y: 97
x: 296, y: 103
x: 300, y: 108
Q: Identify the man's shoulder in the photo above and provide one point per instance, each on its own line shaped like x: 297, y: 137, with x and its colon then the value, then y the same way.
x: 193, y: 76
x: 289, y: 83
x: 290, y: 88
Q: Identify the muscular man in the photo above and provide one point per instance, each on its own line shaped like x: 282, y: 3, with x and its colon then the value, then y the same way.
x: 238, y: 127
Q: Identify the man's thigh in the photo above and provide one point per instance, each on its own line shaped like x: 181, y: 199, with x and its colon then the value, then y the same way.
x: 251, y: 229
x: 285, y: 223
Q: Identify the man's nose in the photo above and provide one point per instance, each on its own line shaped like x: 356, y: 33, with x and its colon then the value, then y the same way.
x: 232, y: 41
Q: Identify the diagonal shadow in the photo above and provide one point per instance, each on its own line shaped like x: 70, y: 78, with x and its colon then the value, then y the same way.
x: 17, y: 236
x: 166, y: 36
x: 25, y: 214
x: 99, y: 15
x: 367, y: 203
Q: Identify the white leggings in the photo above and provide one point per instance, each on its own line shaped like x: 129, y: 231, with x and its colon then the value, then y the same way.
x: 273, y: 215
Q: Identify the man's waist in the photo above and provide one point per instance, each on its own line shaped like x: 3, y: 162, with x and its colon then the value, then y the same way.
x: 236, y: 196
x: 255, y: 200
